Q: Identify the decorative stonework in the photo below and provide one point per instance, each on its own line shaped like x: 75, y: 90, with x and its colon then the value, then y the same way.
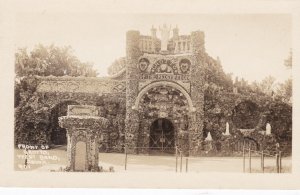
x: 77, y: 110
x: 80, y: 85
x: 164, y: 66
x: 184, y: 84
x: 168, y: 64
x: 143, y: 64
x: 136, y: 95
x: 184, y: 65
x: 83, y: 133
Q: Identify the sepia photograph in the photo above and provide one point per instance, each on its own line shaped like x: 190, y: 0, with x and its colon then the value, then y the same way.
x: 166, y: 94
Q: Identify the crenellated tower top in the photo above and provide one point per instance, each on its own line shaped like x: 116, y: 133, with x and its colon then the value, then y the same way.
x: 167, y: 44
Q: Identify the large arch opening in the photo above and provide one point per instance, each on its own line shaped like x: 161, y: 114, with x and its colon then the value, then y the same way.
x: 164, y: 111
x: 246, y: 115
x: 162, y: 136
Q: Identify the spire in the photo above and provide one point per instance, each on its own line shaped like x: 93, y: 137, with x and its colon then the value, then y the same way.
x: 153, y: 32
x: 175, y: 32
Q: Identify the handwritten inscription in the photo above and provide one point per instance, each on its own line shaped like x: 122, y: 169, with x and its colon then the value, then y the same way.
x: 33, y: 156
x: 33, y: 147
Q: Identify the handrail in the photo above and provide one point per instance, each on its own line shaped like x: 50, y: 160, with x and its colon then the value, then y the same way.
x: 260, y: 152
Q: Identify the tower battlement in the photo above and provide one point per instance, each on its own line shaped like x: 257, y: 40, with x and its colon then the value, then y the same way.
x: 167, y: 44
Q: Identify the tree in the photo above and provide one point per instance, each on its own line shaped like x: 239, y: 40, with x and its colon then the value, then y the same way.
x: 267, y: 85
x: 51, y: 60
x: 285, y: 90
x: 45, y: 61
x: 32, y: 117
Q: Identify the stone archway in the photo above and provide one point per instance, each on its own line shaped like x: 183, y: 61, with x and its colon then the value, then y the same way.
x: 173, y: 85
x: 162, y: 136
x: 170, y: 106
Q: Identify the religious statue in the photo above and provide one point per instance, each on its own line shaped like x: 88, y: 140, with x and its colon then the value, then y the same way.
x: 208, y: 138
x: 165, y: 34
x: 227, y: 129
x: 268, y: 129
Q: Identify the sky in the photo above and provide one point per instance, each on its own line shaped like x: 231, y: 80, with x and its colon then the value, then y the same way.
x: 251, y: 46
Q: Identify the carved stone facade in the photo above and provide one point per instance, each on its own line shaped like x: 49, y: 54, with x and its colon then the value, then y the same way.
x: 182, y: 89
x: 84, y: 130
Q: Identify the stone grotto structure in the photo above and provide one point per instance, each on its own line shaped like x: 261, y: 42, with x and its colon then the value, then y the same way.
x: 157, y: 99
x: 84, y: 128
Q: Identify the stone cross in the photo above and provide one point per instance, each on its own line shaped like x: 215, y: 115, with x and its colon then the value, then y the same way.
x: 165, y: 34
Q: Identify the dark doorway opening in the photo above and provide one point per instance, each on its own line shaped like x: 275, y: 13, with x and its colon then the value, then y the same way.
x: 162, y: 137
x: 58, y: 134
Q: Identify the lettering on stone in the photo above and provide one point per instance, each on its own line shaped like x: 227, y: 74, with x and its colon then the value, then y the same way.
x: 161, y: 76
x: 78, y: 110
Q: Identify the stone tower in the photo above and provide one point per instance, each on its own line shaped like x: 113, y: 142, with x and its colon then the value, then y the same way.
x: 164, y: 91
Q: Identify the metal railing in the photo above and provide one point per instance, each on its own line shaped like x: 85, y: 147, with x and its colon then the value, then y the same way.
x: 277, y: 157
x: 179, y: 163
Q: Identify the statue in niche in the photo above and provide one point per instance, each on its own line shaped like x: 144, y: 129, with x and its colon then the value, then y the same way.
x: 165, y: 34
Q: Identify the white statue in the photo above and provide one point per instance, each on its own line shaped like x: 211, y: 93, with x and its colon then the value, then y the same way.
x: 208, y: 138
x: 165, y: 34
x: 227, y: 129
x: 268, y: 129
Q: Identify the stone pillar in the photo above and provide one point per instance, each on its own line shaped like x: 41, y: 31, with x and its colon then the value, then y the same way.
x: 132, y: 118
x: 197, y: 93
x: 84, y: 128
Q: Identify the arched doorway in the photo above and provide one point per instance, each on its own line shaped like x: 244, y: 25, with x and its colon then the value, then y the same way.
x: 163, y: 111
x: 251, y: 143
x: 162, y: 136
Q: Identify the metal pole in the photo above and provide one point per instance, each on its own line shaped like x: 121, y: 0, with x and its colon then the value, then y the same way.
x: 244, y: 156
x: 176, y: 157
x: 180, y: 161
x: 125, y: 158
x: 186, y: 164
x: 277, y: 163
x: 262, y: 161
x: 250, y: 158
x: 280, y: 157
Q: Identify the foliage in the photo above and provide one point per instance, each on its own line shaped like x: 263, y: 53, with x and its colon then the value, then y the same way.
x: 51, y: 60
x: 289, y: 61
x: 32, y: 115
x: 267, y: 85
x: 284, y: 90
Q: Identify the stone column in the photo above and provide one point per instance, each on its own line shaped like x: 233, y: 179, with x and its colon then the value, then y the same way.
x: 197, y: 93
x: 83, y: 132
x: 132, y: 118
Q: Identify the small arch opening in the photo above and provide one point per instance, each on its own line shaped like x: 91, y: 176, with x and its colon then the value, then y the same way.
x: 162, y: 136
